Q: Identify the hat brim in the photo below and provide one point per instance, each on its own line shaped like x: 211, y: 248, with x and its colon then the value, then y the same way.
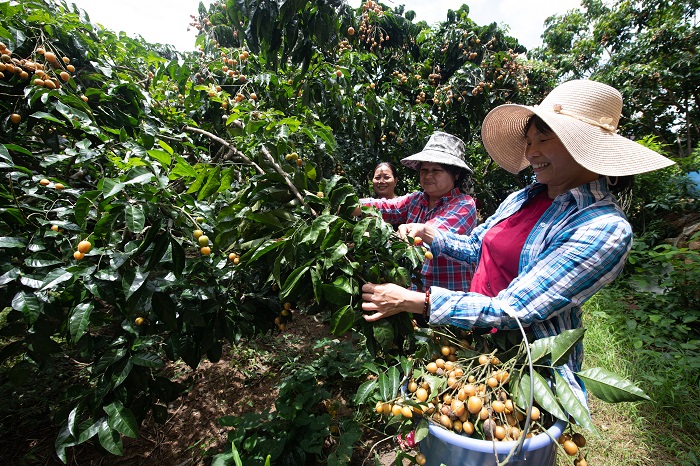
x: 596, y: 149
x: 414, y: 161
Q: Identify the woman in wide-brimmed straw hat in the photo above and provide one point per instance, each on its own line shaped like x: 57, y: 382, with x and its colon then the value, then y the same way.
x: 443, y: 203
x: 551, y: 246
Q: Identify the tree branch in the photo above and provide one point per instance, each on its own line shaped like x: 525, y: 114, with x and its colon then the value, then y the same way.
x: 223, y: 142
x: 279, y: 170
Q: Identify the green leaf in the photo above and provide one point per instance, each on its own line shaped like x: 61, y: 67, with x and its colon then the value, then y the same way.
x: 135, y: 218
x: 545, y: 397
x: 563, y: 344
x: 27, y: 304
x: 540, y: 348
x: 571, y: 404
x: 7, y: 242
x: 83, y: 205
x: 110, y: 187
x: 133, y: 280
x: 110, y: 439
x: 342, y: 320
x: 263, y: 249
x: 166, y: 146
x: 177, y: 253
x: 610, y: 387
x: 119, y: 377
x: 162, y: 157
x: 55, y: 278
x: 87, y: 430
x: 389, y: 383
x: 104, y: 225
x: 80, y: 320
x: 365, y: 391
x: 384, y: 334
x: 48, y: 117
x: 293, y: 282
x: 335, y: 294
x: 160, y: 247
x: 122, y: 419
x: 212, y: 184
x: 63, y: 441
x: 147, y: 360
x: 421, y: 429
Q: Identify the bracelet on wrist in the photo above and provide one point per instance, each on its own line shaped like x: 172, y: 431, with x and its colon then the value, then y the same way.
x: 426, y: 305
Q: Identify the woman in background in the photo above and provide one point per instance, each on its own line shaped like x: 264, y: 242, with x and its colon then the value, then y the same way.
x: 384, y: 180
x: 443, y: 203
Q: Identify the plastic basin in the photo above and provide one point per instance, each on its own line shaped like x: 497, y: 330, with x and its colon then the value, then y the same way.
x: 442, y: 446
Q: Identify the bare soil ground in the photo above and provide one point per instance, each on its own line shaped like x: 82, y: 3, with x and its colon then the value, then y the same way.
x: 239, y: 382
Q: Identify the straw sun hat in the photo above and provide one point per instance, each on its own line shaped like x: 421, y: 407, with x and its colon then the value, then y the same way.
x: 584, y: 115
x: 441, y: 148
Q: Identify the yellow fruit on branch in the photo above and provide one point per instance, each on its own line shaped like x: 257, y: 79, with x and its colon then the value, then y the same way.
x: 84, y: 246
x: 203, y: 240
x: 197, y: 233
x: 139, y: 321
x: 205, y: 250
x: 77, y: 255
x: 15, y: 118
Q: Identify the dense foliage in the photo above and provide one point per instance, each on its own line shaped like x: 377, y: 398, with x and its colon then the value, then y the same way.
x: 216, y: 191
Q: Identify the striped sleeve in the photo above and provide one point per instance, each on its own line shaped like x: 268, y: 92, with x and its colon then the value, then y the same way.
x: 577, y: 262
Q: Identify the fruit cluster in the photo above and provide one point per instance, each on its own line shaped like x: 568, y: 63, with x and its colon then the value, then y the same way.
x: 49, y: 72
x: 293, y: 157
x: 203, y: 241
x: 418, y: 241
x: 83, y: 248
x: 469, y: 393
x: 373, y: 36
x: 284, y: 317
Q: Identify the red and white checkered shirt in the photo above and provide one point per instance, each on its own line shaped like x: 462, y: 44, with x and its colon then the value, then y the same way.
x: 454, y: 212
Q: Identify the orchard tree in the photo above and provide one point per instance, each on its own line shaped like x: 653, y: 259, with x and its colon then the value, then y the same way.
x: 158, y: 205
x: 645, y: 49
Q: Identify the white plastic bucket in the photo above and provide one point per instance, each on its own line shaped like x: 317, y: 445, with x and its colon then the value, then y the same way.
x: 444, y: 447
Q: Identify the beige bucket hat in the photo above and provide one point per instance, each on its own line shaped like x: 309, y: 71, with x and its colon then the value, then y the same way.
x: 584, y: 115
x: 441, y: 148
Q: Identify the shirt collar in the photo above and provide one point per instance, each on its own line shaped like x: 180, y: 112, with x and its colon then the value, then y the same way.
x: 451, y: 195
x: 583, y: 195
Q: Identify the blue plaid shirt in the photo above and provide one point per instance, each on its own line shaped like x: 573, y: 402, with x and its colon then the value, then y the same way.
x: 579, y: 245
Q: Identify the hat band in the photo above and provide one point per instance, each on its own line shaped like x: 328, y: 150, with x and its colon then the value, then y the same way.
x: 603, y: 122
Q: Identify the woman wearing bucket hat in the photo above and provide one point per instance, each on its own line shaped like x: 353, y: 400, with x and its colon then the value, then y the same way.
x: 550, y: 246
x: 442, y: 203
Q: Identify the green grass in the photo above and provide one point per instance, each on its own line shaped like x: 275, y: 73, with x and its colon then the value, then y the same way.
x: 663, y: 431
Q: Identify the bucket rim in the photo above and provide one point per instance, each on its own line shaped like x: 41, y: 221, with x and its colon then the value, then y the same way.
x: 486, y: 446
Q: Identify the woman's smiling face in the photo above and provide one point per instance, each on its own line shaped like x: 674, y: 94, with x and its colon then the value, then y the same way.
x: 384, y: 182
x: 552, y: 164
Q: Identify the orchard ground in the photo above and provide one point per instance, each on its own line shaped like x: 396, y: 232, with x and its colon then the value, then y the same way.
x: 245, y: 380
